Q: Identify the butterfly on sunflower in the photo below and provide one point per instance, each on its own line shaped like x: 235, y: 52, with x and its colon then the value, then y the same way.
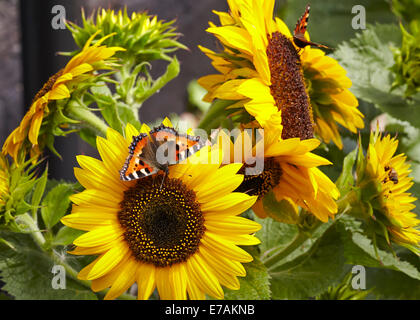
x: 300, y: 29
x: 143, y: 159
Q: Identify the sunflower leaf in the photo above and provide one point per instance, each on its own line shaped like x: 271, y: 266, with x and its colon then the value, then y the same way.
x: 66, y: 236
x: 346, y: 180
x: 275, y: 235
x: 27, y: 272
x: 312, y: 272
x: 103, y: 98
x: 391, y: 284
x: 39, y: 191
x: 358, y: 248
x: 255, y: 286
x: 282, y: 211
x: 142, y: 94
x: 368, y: 59
x: 56, y: 203
x: 195, y: 96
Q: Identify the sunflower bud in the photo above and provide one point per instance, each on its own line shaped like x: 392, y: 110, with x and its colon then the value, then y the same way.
x: 407, y: 66
x: 16, y: 184
x: 143, y: 37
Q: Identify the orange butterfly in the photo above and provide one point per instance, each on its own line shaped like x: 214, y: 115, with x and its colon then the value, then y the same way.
x: 300, y: 29
x: 142, y: 158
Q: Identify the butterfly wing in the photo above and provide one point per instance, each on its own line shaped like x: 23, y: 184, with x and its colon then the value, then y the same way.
x: 136, y: 166
x: 185, y: 145
x: 188, y: 145
x: 300, y: 29
x: 302, y: 24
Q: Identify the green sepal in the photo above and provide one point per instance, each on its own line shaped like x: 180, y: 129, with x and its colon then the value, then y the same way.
x: 281, y: 211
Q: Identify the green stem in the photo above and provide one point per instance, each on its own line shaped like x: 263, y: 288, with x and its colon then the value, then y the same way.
x: 296, y: 243
x: 33, y: 229
x: 83, y: 114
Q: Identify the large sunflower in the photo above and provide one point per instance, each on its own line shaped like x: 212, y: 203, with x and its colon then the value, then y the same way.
x: 180, y: 236
x: 331, y: 100
x: 391, y: 203
x: 264, y: 72
x: 58, y: 87
x: 290, y: 172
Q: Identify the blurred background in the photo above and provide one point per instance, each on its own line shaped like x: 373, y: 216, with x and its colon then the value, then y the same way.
x: 29, y: 46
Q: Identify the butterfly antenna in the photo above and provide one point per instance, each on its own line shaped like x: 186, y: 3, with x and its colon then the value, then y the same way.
x: 164, y: 177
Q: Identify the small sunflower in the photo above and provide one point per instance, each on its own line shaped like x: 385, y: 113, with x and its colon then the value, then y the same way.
x: 391, y: 203
x: 58, y: 87
x: 4, y: 180
x: 290, y: 171
x: 263, y: 71
x: 180, y: 236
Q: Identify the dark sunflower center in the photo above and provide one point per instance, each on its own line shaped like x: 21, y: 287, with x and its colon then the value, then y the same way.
x: 288, y: 88
x: 163, y: 225
x: 48, y: 85
x: 259, y: 185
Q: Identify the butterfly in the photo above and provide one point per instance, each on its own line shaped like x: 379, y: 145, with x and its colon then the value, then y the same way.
x: 300, y: 29
x: 145, y: 158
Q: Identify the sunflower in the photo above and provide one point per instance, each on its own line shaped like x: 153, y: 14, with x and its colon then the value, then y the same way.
x: 391, y: 203
x: 263, y: 71
x: 4, y: 180
x: 179, y: 235
x: 290, y: 172
x: 58, y: 87
x: 331, y: 100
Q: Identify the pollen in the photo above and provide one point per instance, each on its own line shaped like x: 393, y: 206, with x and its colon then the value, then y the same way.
x: 163, y: 222
x: 288, y: 88
x: 259, y: 185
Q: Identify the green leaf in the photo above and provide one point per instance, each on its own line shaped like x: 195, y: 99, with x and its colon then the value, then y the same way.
x: 195, y: 96
x: 88, y: 135
x: 282, y: 211
x: 56, y: 203
x: 368, y: 59
x: 171, y: 72
x: 311, y: 273
x: 66, y: 236
x: 128, y: 114
x: 358, y: 249
x: 255, y: 286
x: 390, y: 284
x: 27, y: 274
x: 346, y: 180
x: 39, y: 191
x: 275, y: 235
x: 108, y: 106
